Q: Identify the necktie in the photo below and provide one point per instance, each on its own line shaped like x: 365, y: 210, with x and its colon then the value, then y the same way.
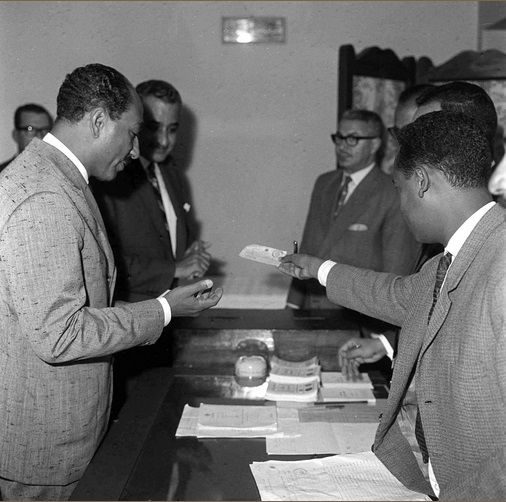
x: 442, y: 268
x: 342, y: 194
x: 156, y: 189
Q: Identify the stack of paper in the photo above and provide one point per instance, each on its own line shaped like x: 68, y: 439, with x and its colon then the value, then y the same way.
x: 293, y: 381
x: 359, y: 476
x: 228, y: 421
x: 335, y: 387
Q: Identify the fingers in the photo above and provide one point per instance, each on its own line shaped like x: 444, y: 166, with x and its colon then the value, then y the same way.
x: 195, y: 288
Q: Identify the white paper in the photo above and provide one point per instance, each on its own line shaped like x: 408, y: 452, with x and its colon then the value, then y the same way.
x: 262, y: 254
x: 225, y: 416
x: 337, y: 379
x: 300, y: 392
x: 358, y: 476
x: 294, y: 372
x: 350, y: 394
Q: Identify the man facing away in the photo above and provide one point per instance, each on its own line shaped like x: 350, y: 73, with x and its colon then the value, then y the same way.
x: 30, y: 121
x: 147, y: 208
x: 459, y: 97
x: 452, y: 313
x: 59, y: 328
x: 354, y: 212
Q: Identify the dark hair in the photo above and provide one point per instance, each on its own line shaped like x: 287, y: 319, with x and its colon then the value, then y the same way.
x: 450, y: 142
x: 31, y: 108
x: 412, y: 92
x: 368, y: 116
x: 160, y: 89
x: 467, y: 98
x: 90, y: 86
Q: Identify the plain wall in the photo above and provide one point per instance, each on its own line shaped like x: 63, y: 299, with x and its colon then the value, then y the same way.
x: 258, y: 116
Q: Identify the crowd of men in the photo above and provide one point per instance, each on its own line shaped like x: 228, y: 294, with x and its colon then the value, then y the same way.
x: 98, y: 232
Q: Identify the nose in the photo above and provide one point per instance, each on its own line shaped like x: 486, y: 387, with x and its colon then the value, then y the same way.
x: 163, y: 138
x: 135, y: 152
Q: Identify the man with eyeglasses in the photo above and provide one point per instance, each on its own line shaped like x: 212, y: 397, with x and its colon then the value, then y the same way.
x: 354, y: 215
x: 30, y: 121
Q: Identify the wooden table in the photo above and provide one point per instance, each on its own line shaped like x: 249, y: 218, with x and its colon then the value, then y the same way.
x: 140, y: 458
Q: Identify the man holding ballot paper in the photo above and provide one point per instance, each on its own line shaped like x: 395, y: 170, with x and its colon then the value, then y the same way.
x: 452, y: 313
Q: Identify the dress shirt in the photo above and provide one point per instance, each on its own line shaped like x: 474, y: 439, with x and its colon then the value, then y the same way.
x: 54, y: 141
x: 356, y: 178
x: 454, y: 245
x: 170, y: 214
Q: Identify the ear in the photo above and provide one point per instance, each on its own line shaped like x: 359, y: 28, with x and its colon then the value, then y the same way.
x: 98, y: 120
x: 423, y: 180
x: 376, y: 144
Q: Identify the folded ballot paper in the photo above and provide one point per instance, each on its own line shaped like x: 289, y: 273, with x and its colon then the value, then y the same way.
x: 263, y: 254
x: 293, y: 381
x: 336, y: 388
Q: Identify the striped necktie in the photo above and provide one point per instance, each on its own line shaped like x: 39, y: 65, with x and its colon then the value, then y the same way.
x: 156, y: 189
x: 444, y: 263
x: 342, y: 194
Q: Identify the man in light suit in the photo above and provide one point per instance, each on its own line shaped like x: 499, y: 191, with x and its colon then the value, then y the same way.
x: 59, y: 328
x: 453, y: 339
x: 152, y: 229
x: 359, y: 222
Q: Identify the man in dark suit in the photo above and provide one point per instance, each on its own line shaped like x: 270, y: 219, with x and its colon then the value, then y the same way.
x: 147, y: 209
x: 452, y: 313
x: 354, y: 212
x: 30, y: 121
x: 59, y: 326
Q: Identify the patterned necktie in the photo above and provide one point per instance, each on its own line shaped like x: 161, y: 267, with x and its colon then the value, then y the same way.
x: 156, y: 189
x: 342, y: 194
x: 442, y: 268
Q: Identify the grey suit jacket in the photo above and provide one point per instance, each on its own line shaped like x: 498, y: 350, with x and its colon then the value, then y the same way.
x: 368, y: 232
x: 136, y: 228
x: 57, y: 327
x: 459, y: 362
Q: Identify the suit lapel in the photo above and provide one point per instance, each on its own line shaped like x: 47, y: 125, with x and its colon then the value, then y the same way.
x: 458, y: 268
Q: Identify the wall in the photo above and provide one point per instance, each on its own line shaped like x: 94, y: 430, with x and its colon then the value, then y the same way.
x: 261, y: 115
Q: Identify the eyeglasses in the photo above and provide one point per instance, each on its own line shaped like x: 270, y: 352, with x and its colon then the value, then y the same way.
x: 33, y: 130
x: 350, y: 140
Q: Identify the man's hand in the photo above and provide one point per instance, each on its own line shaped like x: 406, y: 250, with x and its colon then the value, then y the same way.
x: 195, y: 262
x: 300, y: 266
x: 191, y: 299
x: 357, y: 351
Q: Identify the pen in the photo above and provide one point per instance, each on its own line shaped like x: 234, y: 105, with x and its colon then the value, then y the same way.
x: 328, y: 404
x: 295, y: 247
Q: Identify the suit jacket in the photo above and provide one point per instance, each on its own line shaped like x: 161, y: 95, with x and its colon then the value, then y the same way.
x: 368, y: 232
x: 136, y: 228
x: 458, y: 359
x: 57, y: 327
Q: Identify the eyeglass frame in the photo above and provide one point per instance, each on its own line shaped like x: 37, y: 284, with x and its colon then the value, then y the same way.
x: 33, y: 130
x: 355, y: 139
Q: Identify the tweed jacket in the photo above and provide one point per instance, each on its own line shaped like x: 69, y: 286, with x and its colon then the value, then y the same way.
x: 458, y: 359
x: 368, y: 232
x: 58, y: 329
x: 137, y: 231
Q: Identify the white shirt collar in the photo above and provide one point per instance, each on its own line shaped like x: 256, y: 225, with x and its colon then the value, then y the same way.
x: 459, y: 237
x: 54, y: 141
x: 358, y: 176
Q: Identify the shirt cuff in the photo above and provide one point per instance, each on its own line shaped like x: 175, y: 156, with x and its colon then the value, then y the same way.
x: 167, y: 312
x: 324, y: 270
x: 386, y: 344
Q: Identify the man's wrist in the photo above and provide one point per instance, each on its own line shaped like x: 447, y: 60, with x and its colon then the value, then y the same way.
x: 167, y: 311
x: 324, y: 270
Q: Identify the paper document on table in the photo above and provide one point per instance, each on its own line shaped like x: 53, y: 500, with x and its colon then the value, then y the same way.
x: 345, y: 412
x: 347, y: 395
x: 236, y: 420
x: 262, y: 254
x: 294, y: 371
x: 359, y: 476
x: 309, y: 438
x: 337, y: 379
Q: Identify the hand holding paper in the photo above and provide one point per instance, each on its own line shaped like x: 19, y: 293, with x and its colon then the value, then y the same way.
x: 263, y: 254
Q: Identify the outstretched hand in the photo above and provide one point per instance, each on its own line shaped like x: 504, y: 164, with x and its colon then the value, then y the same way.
x: 357, y: 351
x: 300, y: 266
x: 191, y: 299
